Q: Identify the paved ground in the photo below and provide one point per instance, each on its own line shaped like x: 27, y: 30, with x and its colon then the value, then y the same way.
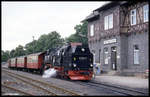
x: 133, y: 82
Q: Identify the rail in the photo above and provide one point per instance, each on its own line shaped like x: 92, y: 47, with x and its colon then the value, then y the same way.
x: 17, y: 90
x: 119, y: 90
x: 20, y: 77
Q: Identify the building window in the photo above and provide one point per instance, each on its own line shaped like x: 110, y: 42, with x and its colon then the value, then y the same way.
x: 108, y: 22
x: 133, y: 16
x: 105, y: 55
x: 136, y: 54
x: 145, y: 12
x: 92, y: 30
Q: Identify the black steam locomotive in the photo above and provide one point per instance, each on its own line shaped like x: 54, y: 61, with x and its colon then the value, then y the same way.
x: 73, y: 61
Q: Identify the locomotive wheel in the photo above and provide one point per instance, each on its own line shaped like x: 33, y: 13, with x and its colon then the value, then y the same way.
x: 41, y: 71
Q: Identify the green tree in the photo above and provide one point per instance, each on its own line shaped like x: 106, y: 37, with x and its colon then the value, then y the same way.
x: 51, y: 40
x: 54, y: 40
x: 5, y: 55
x: 80, y: 35
x: 19, y: 51
x: 31, y: 47
x: 12, y: 53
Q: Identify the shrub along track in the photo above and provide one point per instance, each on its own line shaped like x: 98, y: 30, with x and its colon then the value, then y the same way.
x: 47, y: 88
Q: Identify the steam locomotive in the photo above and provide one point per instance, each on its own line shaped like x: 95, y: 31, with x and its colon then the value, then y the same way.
x: 73, y: 61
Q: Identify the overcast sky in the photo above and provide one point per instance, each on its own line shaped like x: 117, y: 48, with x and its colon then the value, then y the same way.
x: 22, y: 20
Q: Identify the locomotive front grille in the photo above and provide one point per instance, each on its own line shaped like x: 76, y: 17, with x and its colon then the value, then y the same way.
x: 85, y: 73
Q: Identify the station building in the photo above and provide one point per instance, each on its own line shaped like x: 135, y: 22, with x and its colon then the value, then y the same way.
x: 118, y: 34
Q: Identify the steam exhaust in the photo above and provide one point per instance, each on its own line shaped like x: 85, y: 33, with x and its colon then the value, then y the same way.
x: 51, y: 72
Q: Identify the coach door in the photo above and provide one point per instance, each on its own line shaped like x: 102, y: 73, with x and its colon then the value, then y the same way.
x: 114, y: 58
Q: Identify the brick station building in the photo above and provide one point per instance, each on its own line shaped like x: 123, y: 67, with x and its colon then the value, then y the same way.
x: 118, y: 34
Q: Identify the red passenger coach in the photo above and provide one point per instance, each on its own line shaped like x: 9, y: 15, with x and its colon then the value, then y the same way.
x: 13, y: 63
x: 21, y: 62
x: 35, y: 61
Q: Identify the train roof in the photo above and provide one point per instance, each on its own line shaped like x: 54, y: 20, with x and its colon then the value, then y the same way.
x: 13, y: 58
x: 36, y: 54
x: 21, y: 56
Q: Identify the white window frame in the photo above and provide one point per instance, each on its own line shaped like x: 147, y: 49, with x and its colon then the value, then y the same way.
x: 146, y: 13
x: 92, y: 30
x: 108, y: 22
x: 133, y: 17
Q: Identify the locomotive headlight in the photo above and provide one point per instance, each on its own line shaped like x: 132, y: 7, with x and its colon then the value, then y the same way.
x: 74, y: 58
x: 83, y: 49
x: 74, y: 65
x: 91, y: 65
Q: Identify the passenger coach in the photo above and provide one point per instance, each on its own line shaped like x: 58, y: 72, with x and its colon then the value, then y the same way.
x: 13, y: 63
x: 35, y: 62
x: 21, y: 62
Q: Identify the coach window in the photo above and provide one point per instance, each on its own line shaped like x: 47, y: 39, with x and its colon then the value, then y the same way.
x: 92, y: 30
x: 36, y: 58
x: 33, y: 59
x: 133, y: 16
x: 105, y: 55
x: 145, y: 12
x: 136, y: 54
x: 13, y: 61
x: 19, y: 60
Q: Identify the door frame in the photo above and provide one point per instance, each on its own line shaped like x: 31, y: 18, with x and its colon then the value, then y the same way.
x: 114, y: 60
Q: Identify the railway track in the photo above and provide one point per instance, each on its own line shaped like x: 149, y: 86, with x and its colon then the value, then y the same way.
x: 137, y: 92
x: 45, y: 87
x: 18, y: 91
x: 118, y: 90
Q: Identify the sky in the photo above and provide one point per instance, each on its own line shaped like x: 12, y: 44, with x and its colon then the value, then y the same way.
x: 23, y: 20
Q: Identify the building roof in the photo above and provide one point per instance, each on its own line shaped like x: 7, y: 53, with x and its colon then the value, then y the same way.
x: 104, y: 7
x: 92, y: 15
x: 107, y: 5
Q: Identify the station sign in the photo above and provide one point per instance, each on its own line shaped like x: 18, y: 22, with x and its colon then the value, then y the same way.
x: 110, y: 41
